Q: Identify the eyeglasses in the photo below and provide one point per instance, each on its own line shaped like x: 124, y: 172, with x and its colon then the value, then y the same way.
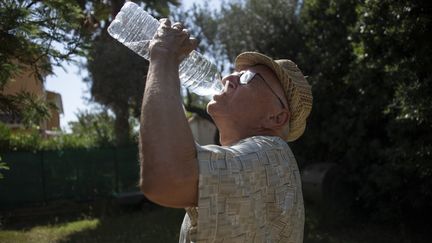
x: 247, y: 76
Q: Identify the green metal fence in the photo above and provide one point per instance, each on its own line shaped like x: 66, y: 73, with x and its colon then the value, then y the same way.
x: 68, y: 174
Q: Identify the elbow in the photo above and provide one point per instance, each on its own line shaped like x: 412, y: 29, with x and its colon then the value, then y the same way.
x: 153, y: 190
x: 148, y: 189
x: 151, y: 185
x: 168, y: 191
x: 169, y: 186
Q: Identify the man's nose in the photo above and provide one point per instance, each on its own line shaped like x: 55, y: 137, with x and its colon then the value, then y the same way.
x: 233, y: 78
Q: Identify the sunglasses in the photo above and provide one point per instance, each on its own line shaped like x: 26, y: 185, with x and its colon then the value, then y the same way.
x: 247, y: 76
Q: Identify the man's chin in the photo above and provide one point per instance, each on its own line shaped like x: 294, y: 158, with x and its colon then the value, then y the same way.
x: 218, y: 104
x: 209, y: 106
x: 212, y: 107
x: 211, y: 102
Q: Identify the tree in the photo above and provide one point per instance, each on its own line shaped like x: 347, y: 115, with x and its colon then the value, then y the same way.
x: 222, y: 38
x: 29, y: 33
x: 117, y: 75
x: 98, y: 127
x: 118, y: 79
x: 29, y: 109
x: 371, y: 112
x: 394, y: 51
x: 32, y: 30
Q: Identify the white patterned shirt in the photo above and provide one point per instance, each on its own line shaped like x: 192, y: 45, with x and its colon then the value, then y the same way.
x: 248, y: 192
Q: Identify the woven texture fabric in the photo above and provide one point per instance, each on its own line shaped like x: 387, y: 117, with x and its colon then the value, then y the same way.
x: 249, y: 192
x: 297, y: 90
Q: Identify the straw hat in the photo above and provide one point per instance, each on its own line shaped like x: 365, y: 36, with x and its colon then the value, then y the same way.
x: 297, y: 90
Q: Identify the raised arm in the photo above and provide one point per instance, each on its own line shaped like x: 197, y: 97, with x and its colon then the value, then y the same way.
x: 169, y: 169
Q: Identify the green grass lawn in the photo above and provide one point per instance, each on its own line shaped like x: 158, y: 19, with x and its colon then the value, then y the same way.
x: 49, y: 233
x: 160, y: 225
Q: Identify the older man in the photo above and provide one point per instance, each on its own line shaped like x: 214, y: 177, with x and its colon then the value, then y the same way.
x: 248, y: 189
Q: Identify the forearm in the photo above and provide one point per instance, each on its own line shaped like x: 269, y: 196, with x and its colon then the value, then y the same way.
x: 168, y: 156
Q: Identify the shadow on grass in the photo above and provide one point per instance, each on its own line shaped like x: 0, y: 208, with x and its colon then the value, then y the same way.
x: 322, y: 226
x: 155, y: 225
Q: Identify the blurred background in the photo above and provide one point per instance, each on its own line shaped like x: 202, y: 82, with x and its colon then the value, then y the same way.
x: 70, y: 99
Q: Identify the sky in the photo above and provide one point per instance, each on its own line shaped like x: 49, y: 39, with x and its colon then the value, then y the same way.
x: 75, y: 93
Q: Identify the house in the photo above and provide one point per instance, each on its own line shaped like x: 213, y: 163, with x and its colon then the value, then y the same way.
x: 26, y: 81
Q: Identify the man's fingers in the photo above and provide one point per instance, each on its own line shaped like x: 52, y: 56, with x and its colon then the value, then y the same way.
x: 178, y: 26
x: 175, y: 37
x: 186, y: 31
x: 165, y: 22
x: 189, y: 45
x: 193, y: 43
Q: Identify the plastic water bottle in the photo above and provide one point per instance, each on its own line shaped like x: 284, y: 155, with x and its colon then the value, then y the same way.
x: 135, y: 28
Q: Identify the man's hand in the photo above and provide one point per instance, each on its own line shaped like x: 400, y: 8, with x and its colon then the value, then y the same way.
x: 171, y: 42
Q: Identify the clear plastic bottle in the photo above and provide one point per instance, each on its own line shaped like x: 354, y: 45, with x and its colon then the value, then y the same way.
x: 134, y: 28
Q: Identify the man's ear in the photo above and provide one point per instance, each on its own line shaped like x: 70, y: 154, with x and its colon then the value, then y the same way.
x: 279, y: 119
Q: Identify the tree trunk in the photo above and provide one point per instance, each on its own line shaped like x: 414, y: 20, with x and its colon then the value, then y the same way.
x: 121, y: 126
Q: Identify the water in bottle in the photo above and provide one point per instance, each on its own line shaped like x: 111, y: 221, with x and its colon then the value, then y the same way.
x: 134, y: 28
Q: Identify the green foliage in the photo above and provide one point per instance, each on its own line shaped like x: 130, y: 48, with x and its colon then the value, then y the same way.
x: 91, y: 130
x: 97, y: 128
x: 29, y: 31
x: 371, y: 112
x: 397, y: 53
x: 160, y: 8
x: 241, y: 26
x: 28, y: 108
x: 387, y: 153
x: 31, y: 139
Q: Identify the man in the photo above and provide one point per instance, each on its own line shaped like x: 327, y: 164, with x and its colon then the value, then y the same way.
x: 248, y: 189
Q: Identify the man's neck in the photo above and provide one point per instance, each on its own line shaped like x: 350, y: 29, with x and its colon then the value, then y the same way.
x: 231, y: 132
x: 229, y: 140
x: 229, y: 135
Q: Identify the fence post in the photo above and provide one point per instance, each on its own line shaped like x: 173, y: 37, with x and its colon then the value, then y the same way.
x: 78, y: 186
x: 43, y: 176
x: 116, y: 172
